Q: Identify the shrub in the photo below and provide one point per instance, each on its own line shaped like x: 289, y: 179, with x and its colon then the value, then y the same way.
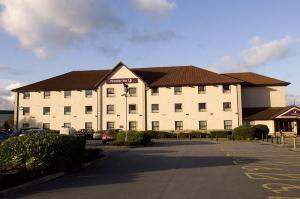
x: 52, y: 131
x: 244, y: 133
x: 261, y: 130
x: 42, y: 153
x: 134, y: 138
x: 220, y: 133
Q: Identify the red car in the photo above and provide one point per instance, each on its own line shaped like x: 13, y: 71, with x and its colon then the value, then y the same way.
x: 109, y: 135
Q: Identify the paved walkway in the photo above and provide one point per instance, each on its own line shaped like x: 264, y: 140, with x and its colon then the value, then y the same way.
x: 174, y: 169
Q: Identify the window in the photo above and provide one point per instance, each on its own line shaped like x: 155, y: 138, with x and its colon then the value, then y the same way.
x: 46, y: 110
x: 178, y: 125
x: 132, y: 108
x: 67, y: 110
x: 178, y: 107
x: 132, y: 92
x: 226, y: 88
x: 26, y: 95
x: 177, y: 90
x: 110, y: 109
x: 226, y: 106
x: 47, y: 94
x: 88, y: 93
x: 46, y: 126
x: 132, y: 126
x: 227, y: 124
x: 25, y: 125
x: 201, y: 89
x: 110, y: 92
x: 67, y: 94
x: 202, y: 107
x: 110, y: 125
x: 26, y: 110
x: 154, y: 91
x: 155, y: 125
x: 155, y: 108
x: 67, y: 125
x: 203, y: 125
x: 88, y: 110
x: 88, y: 125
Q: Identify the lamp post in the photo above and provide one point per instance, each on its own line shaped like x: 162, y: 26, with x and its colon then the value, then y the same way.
x: 126, y: 92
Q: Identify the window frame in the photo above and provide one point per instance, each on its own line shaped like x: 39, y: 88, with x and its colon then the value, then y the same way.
x: 67, y: 125
x: 107, y: 125
x: 65, y: 111
x: 227, y: 126
x: 177, y: 127
x: 201, y: 91
x: 129, y: 91
x: 26, y: 95
x: 110, y: 112
x: 201, y: 126
x: 132, y: 112
x: 44, y: 112
x: 155, y: 110
x: 176, y: 110
x: 44, y: 124
x: 177, y: 92
x: 202, y: 110
x: 109, y: 94
x: 135, y: 126
x: 88, y: 112
x: 155, y: 127
x: 26, y: 125
x: 86, y: 125
x: 47, y: 94
x: 26, y: 113
x: 226, y: 90
x: 87, y: 94
x: 228, y: 109
x: 155, y: 93
x: 67, y: 96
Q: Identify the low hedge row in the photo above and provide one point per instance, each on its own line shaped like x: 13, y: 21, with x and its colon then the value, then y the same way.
x: 134, y: 138
x: 42, y: 153
x: 220, y: 133
x: 250, y: 132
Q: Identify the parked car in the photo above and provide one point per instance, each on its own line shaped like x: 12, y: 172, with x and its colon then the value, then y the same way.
x: 3, y: 136
x: 86, y: 133
x: 109, y: 135
x: 24, y: 131
x: 98, y: 135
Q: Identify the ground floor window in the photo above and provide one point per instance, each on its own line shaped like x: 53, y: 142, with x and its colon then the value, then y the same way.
x: 67, y: 125
x: 202, y: 125
x: 110, y: 125
x: 46, y: 126
x: 132, y: 126
x: 179, y: 125
x: 228, y: 124
x: 284, y: 125
x: 25, y: 125
x: 155, y: 125
x: 88, y: 125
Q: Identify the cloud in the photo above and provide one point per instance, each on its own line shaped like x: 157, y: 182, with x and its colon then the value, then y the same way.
x: 45, y: 26
x: 293, y: 99
x: 149, y: 37
x: 6, y: 96
x: 109, y: 51
x: 260, y: 53
x: 155, y: 8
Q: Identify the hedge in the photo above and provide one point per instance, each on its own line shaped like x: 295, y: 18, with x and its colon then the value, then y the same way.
x: 244, y: 133
x: 220, y: 133
x: 261, y: 131
x: 134, y: 138
x: 42, y: 153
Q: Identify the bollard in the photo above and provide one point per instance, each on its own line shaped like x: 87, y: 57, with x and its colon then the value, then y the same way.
x: 277, y: 142
x: 295, y: 143
x: 282, y: 140
x: 272, y: 139
x: 267, y: 138
x: 200, y: 136
x: 262, y: 137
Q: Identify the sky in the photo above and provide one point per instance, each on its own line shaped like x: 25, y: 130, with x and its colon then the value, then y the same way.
x: 43, y: 38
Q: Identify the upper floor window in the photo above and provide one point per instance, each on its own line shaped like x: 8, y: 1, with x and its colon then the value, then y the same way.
x: 67, y: 110
x: 132, y: 92
x: 88, y: 93
x: 88, y: 109
x: 110, y: 92
x: 26, y: 95
x: 132, y: 108
x: 203, y: 125
x: 226, y: 106
x: 67, y: 94
x: 179, y: 125
x: 178, y: 90
x: 155, y: 108
x: 202, y: 107
x: 47, y: 94
x: 26, y: 110
x: 46, y: 126
x: 26, y: 125
x: 201, y: 89
x: 46, y: 110
x: 226, y: 88
x: 88, y: 125
x: 228, y: 124
x: 178, y: 107
x: 110, y: 125
x: 67, y: 125
x: 132, y: 125
x: 155, y: 126
x: 154, y: 91
x: 110, y: 109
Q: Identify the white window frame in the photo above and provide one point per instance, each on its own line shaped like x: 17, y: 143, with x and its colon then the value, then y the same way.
x: 178, y: 127
x: 154, y: 110
x: 88, y: 125
x: 26, y: 95
x: 46, y: 124
x: 47, y: 94
x: 88, y: 112
x: 156, y: 93
x: 69, y: 95
x: 178, y: 110
x: 110, y: 112
x: 227, y: 109
x: 69, y: 112
x: 130, y: 91
x: 201, y: 109
x: 179, y: 91
x: 201, y: 91
x: 87, y: 94
x: 44, y: 112
x: 130, y: 111
x: 228, y: 126
x: 130, y: 127
x: 108, y: 124
x: 26, y: 112
x: 226, y: 90
x: 109, y: 93
x: 155, y: 125
x: 203, y: 127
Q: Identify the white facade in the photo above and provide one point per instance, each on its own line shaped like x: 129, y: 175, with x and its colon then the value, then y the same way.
x: 109, y: 106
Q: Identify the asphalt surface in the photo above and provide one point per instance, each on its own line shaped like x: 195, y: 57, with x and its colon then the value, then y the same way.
x: 183, y: 170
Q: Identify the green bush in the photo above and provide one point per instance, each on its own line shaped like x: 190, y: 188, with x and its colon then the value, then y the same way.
x: 42, y: 153
x: 134, y: 138
x: 261, y: 130
x: 220, y: 133
x: 52, y: 131
x: 244, y: 133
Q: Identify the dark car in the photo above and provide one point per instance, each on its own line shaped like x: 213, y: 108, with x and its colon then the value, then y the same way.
x: 3, y: 136
x: 109, y: 135
x: 24, y: 131
x: 86, y: 133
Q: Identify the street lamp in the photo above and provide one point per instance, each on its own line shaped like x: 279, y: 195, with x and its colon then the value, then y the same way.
x: 126, y: 94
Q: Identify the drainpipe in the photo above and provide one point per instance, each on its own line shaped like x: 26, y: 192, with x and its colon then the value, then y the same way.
x: 17, y: 111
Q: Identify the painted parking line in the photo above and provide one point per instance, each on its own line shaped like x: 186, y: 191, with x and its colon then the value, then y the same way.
x: 280, y: 187
x: 273, y: 176
x: 279, y: 197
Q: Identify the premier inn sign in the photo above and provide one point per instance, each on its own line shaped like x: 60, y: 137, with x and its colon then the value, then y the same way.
x: 122, y: 80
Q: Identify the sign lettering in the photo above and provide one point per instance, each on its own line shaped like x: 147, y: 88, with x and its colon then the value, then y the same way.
x: 122, y: 80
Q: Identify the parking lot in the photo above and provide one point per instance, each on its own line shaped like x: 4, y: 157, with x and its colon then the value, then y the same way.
x: 182, y: 169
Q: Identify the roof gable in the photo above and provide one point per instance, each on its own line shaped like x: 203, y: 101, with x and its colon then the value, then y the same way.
x: 270, y: 113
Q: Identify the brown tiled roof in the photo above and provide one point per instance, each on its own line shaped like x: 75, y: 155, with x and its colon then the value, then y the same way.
x: 266, y: 113
x: 250, y: 78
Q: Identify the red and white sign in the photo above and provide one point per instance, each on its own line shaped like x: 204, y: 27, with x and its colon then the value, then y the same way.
x: 122, y: 80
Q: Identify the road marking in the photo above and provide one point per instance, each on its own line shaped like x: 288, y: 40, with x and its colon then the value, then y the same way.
x: 279, y: 197
x: 289, y: 164
x: 273, y: 176
x: 279, y: 187
x: 258, y: 168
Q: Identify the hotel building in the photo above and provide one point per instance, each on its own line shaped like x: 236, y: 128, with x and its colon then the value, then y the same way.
x: 159, y: 98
